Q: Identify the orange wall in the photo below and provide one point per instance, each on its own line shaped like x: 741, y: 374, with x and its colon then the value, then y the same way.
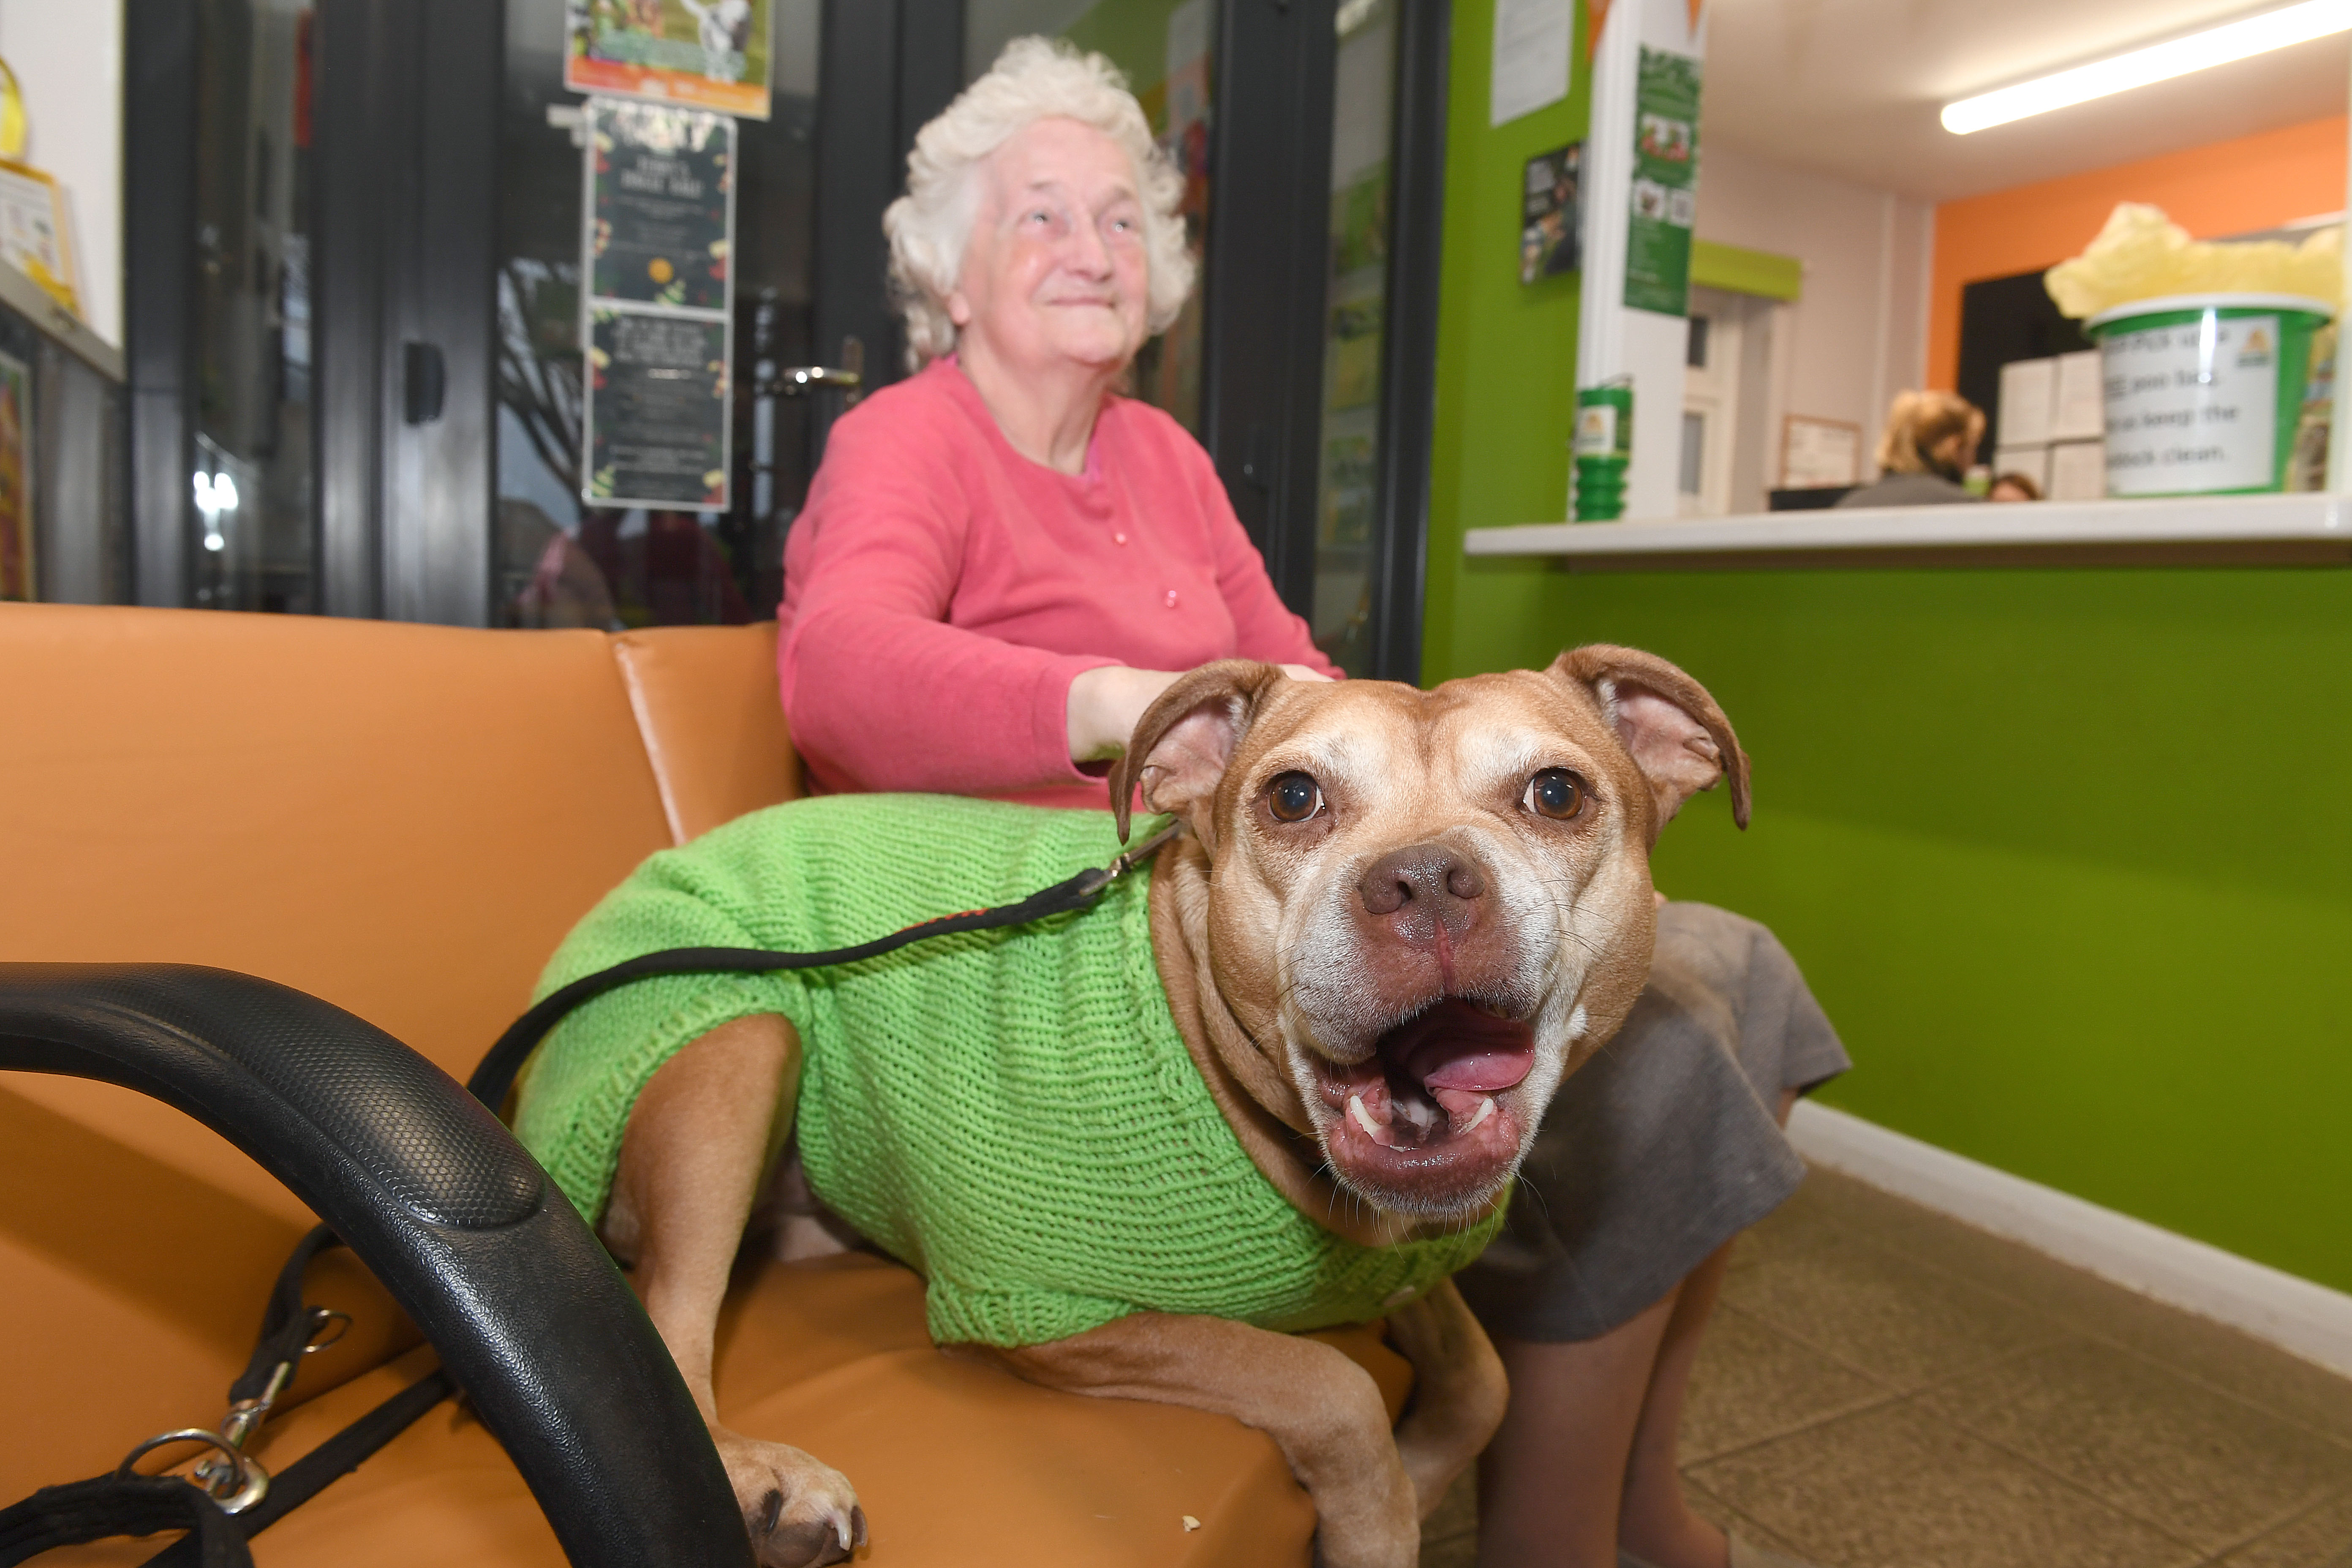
x: 2227, y: 187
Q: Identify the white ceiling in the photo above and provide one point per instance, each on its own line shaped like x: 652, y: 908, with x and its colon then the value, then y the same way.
x: 1852, y: 88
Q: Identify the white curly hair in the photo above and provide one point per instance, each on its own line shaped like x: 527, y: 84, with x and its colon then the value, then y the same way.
x: 1033, y: 79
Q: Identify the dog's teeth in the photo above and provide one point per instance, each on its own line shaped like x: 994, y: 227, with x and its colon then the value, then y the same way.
x: 1486, y: 1109
x: 1363, y: 1118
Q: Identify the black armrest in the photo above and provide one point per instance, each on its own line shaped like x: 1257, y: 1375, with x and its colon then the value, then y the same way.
x: 436, y: 1196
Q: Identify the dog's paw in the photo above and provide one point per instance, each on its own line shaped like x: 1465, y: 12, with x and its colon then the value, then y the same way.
x: 801, y: 1512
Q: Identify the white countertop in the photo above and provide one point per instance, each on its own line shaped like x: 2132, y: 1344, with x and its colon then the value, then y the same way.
x: 26, y: 297
x: 2253, y: 530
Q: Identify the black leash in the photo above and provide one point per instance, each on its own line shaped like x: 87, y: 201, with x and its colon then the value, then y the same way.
x: 121, y: 1504
x: 232, y: 1499
x: 496, y: 1074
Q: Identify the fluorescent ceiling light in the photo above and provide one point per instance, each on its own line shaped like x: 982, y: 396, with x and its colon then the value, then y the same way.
x: 2235, y: 40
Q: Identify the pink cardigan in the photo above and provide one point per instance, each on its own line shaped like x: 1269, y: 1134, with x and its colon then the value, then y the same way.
x: 941, y: 591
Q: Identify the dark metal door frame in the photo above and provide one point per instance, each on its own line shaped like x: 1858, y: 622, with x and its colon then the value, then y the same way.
x: 1424, y: 30
x: 1266, y: 295
x: 885, y: 68
x: 158, y: 265
x: 408, y: 136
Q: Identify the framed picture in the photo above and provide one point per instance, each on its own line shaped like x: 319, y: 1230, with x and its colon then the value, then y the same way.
x: 1819, y: 453
x: 697, y: 54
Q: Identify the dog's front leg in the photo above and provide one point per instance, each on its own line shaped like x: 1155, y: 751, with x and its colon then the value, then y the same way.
x: 1458, y: 1391
x: 703, y: 1130
x: 1321, y: 1409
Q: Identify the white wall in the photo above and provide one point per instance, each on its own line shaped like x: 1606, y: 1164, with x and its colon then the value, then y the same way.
x: 67, y: 56
x: 1859, y: 334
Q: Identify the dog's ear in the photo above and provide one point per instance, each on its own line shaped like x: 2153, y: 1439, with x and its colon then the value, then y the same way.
x: 1676, y: 735
x: 1184, y: 740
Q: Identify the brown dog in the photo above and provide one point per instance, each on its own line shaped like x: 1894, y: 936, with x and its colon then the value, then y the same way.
x: 1398, y: 918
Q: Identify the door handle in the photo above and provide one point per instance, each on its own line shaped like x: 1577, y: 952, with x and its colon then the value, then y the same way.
x: 794, y: 380
x: 1257, y: 459
x: 425, y: 383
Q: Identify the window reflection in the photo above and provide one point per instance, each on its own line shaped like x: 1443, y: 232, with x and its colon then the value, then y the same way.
x: 252, y: 477
x: 1348, y: 498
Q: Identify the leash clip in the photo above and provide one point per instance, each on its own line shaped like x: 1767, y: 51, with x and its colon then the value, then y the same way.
x: 229, y: 1476
x: 1128, y: 860
x: 236, y: 1482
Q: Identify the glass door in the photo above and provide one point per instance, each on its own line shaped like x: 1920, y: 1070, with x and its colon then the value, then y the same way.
x: 558, y: 561
x: 307, y: 205
x: 354, y: 309
x: 250, y: 480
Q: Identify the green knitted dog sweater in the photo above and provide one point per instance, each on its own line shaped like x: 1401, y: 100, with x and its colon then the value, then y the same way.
x: 1012, y: 1113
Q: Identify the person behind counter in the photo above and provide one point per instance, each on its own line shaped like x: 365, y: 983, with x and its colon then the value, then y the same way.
x: 1923, y: 452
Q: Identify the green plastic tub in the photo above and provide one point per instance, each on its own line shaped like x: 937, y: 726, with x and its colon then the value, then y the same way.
x: 2204, y: 392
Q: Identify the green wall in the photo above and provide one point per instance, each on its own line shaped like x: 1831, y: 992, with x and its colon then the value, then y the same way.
x: 1506, y: 400
x: 2067, y: 855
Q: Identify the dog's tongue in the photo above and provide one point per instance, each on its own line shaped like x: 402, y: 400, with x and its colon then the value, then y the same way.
x: 1455, y: 1046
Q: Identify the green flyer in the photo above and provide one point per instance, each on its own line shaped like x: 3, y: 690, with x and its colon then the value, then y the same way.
x: 1665, y: 177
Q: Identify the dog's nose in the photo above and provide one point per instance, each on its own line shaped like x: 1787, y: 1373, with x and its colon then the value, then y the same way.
x: 1421, y: 887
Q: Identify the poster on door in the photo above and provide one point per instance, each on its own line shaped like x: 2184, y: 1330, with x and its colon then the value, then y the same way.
x: 16, y: 478
x: 658, y: 222
x: 704, y: 54
x: 660, y: 190
x: 1665, y: 183
x: 656, y: 394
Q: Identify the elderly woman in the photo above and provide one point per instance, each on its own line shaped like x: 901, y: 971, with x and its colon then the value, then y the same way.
x: 1003, y: 561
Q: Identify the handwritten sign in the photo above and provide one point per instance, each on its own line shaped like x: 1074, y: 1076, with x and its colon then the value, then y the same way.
x: 2192, y: 409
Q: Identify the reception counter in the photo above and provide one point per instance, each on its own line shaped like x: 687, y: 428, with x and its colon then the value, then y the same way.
x: 2307, y: 530
x: 2053, y: 802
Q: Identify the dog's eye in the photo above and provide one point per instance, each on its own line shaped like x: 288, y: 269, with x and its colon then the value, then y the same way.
x: 1294, y: 797
x: 1555, y: 792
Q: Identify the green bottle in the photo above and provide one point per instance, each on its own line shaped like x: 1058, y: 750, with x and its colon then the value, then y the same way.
x: 1604, y: 449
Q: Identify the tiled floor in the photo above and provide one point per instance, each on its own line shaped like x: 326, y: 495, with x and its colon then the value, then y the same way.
x: 1883, y: 1387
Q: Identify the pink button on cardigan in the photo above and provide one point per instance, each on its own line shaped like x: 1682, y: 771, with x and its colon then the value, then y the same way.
x: 942, y: 591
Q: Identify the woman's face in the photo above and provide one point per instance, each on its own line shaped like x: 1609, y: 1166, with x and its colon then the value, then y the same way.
x: 1054, y: 268
x: 1955, y: 450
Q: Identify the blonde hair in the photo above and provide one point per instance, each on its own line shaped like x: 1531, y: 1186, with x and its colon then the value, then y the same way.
x: 1033, y: 79
x: 1919, y: 422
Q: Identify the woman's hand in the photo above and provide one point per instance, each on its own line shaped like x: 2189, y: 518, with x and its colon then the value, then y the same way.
x: 1105, y: 704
